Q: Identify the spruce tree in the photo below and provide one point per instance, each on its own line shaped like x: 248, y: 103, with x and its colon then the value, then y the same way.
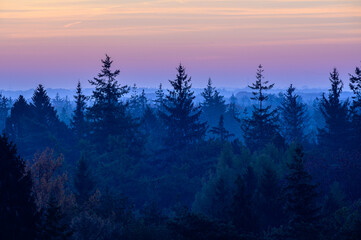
x: 53, y: 226
x: 18, y: 215
x: 4, y: 110
x: 355, y: 86
x: 180, y: 116
x: 159, y: 100
x: 16, y: 122
x: 301, y: 199
x: 335, y: 134
x: 261, y: 128
x: 83, y: 181
x: 78, y: 122
x: 108, y: 114
x: 42, y: 110
x: 220, y: 132
x: 293, y: 116
x: 213, y: 105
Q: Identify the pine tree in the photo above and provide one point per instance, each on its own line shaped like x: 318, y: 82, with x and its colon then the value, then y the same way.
x: 18, y: 215
x: 78, y: 122
x: 43, y: 112
x: 336, y: 133
x: 159, y: 100
x: 4, y: 110
x: 108, y: 114
x: 301, y: 199
x: 16, y: 122
x: 294, y: 116
x: 355, y: 86
x: 54, y: 226
x: 221, y: 133
x: 262, y: 127
x: 180, y: 116
x: 213, y: 105
x: 83, y: 181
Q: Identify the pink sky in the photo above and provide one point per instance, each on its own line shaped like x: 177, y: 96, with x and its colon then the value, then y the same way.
x: 58, y: 43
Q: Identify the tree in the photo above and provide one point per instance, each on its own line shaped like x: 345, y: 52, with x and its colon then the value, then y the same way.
x: 54, y: 226
x: 262, y: 127
x: 18, y: 215
x: 294, y: 116
x: 336, y: 133
x: 42, y: 110
x: 159, y: 100
x: 213, y: 105
x: 108, y: 114
x: 83, y: 181
x: 4, y: 109
x: 355, y: 86
x: 17, y: 121
x: 301, y: 199
x: 180, y: 116
x: 221, y: 133
x: 78, y: 122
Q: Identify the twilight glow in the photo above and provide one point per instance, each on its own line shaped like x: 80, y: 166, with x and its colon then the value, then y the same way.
x: 58, y: 42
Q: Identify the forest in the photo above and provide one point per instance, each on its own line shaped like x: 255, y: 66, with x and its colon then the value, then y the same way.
x: 122, y: 166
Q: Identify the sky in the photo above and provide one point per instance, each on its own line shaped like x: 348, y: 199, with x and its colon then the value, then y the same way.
x: 60, y: 42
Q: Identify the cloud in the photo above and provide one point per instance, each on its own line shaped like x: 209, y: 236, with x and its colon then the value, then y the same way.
x: 71, y: 24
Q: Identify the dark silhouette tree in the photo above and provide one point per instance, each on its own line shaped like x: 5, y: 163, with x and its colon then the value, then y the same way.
x: 108, y: 114
x: 301, y: 199
x: 4, y: 110
x: 18, y: 215
x: 213, y: 105
x: 261, y: 128
x: 54, y: 226
x: 180, y: 116
x: 293, y: 116
x: 84, y: 182
x: 17, y: 121
x: 42, y: 110
x: 355, y: 86
x: 159, y: 100
x: 335, y: 134
x: 78, y: 122
x: 221, y: 132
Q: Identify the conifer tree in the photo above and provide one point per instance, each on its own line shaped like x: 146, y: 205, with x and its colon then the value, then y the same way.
x: 336, y: 132
x: 42, y: 110
x: 83, y: 181
x: 16, y: 122
x: 78, y: 122
x: 262, y: 127
x: 220, y: 131
x: 108, y: 114
x: 355, y: 86
x: 301, y: 199
x: 180, y: 116
x: 159, y: 100
x: 18, y: 215
x: 53, y: 226
x: 4, y: 109
x: 213, y: 105
x: 294, y: 116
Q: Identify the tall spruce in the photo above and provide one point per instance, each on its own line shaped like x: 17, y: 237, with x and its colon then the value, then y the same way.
x: 78, y: 122
x: 42, y: 109
x: 18, y: 214
x: 4, y: 110
x: 355, y: 86
x: 261, y: 128
x: 83, y: 182
x: 16, y: 122
x: 108, y: 114
x: 335, y: 134
x: 301, y: 199
x: 180, y: 116
x: 54, y: 226
x: 293, y: 116
x: 213, y: 105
